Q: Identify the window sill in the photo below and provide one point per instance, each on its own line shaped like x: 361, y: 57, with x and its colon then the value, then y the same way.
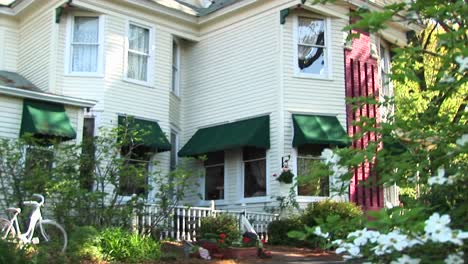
x: 311, y: 199
x: 260, y: 199
x: 217, y: 202
x: 84, y: 74
x: 137, y: 82
x: 313, y: 76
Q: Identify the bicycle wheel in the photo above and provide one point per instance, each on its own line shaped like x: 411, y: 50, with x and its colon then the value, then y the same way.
x: 53, y: 235
x: 4, y: 225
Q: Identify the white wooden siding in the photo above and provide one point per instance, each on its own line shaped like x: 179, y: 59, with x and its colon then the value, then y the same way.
x: 308, y: 95
x: 232, y: 74
x: 34, y: 47
x: 11, y: 110
x: 9, y: 44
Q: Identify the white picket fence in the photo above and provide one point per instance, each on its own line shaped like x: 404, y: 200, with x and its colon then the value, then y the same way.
x: 181, y: 222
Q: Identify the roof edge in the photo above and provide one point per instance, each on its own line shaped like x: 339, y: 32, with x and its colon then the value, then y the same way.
x: 66, y: 100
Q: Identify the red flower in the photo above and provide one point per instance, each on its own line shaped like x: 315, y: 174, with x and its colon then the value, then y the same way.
x: 263, y: 241
x: 222, y: 236
x: 221, y: 241
x: 245, y: 240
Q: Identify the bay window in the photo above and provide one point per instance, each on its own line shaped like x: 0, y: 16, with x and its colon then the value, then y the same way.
x: 85, y: 45
x: 214, y: 176
x: 138, y: 53
x: 254, y: 161
x: 312, y: 46
x: 309, y: 163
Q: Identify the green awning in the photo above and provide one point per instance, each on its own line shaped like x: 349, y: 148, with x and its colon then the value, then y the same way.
x: 316, y: 129
x: 148, y: 133
x: 254, y: 132
x: 44, y: 119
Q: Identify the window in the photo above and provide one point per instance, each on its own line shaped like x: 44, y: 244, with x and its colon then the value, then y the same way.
x: 309, y: 163
x: 174, y: 149
x: 175, y: 67
x: 138, y: 53
x: 384, y: 71
x: 214, y: 176
x: 39, y: 159
x: 85, y: 45
x: 311, y: 46
x: 88, y: 160
x: 254, y: 172
x: 134, y: 176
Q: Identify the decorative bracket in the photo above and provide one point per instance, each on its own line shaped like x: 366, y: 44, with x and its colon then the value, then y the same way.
x: 283, y: 14
x: 59, y: 11
x: 285, y: 161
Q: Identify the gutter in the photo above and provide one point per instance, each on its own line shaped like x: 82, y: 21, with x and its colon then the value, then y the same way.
x: 19, y: 6
x: 66, y: 100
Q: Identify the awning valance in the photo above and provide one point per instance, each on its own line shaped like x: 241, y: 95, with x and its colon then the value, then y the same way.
x: 317, y: 129
x: 147, y: 133
x: 44, y: 119
x: 254, y: 132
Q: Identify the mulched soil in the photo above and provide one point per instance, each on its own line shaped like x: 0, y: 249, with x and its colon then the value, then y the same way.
x: 280, y: 254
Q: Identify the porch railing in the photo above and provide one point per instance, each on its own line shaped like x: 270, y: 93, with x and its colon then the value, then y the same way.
x: 181, y: 222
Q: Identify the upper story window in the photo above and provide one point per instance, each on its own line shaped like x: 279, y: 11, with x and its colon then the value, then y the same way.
x: 85, y: 45
x: 312, y: 47
x: 175, y: 67
x: 139, y: 53
x: 254, y: 172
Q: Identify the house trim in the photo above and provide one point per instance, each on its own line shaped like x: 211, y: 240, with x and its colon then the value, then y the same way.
x: 66, y: 100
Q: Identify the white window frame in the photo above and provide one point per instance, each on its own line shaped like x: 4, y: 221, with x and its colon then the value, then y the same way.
x: 69, y: 41
x: 257, y: 199
x: 304, y: 198
x: 328, y: 46
x: 175, y: 87
x: 151, y: 55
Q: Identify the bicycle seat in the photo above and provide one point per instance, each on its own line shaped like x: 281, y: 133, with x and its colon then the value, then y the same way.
x: 14, y: 210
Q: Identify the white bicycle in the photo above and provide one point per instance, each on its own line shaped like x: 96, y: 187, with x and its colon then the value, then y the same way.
x: 51, y: 233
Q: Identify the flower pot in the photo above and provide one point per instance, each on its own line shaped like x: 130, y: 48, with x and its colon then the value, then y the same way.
x: 240, y: 253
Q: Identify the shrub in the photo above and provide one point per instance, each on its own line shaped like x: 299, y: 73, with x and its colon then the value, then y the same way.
x: 340, y: 218
x: 278, y: 231
x: 84, y: 245
x: 221, y: 224
x: 10, y: 253
x: 119, y: 245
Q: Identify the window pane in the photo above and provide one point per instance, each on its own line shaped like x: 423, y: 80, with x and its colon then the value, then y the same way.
x: 314, y: 186
x: 86, y: 30
x: 214, y: 183
x: 250, y: 153
x: 311, y: 31
x: 175, y: 54
x: 138, y: 39
x: 133, y: 177
x: 214, y: 158
x: 173, y: 150
x: 311, y: 59
x: 84, y: 58
x: 137, y: 66
x: 255, y: 178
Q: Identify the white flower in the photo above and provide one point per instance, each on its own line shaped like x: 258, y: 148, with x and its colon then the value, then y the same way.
x: 204, y: 254
x: 447, y: 79
x: 436, y: 222
x: 353, y: 250
x: 458, y: 236
x: 405, y: 259
x: 318, y: 232
x: 455, y: 258
x: 442, y: 235
x: 398, y: 240
x: 463, y: 62
x: 439, y: 178
x: 330, y: 157
x: 381, y: 250
x: 463, y: 140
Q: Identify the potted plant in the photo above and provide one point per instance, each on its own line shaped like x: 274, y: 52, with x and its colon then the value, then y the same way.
x: 286, y: 175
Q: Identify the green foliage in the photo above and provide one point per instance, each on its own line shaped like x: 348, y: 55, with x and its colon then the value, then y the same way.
x: 221, y: 224
x: 278, y: 231
x: 11, y: 253
x: 119, y: 245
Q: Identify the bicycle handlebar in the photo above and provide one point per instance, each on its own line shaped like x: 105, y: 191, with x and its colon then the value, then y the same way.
x: 30, y: 203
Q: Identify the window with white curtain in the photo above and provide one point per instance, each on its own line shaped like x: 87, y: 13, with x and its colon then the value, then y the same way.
x: 175, y: 67
x: 311, y: 46
x: 254, y: 172
x: 85, y: 44
x: 138, y: 53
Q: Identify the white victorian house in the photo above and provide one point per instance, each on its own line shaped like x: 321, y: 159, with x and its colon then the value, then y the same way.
x: 248, y: 83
